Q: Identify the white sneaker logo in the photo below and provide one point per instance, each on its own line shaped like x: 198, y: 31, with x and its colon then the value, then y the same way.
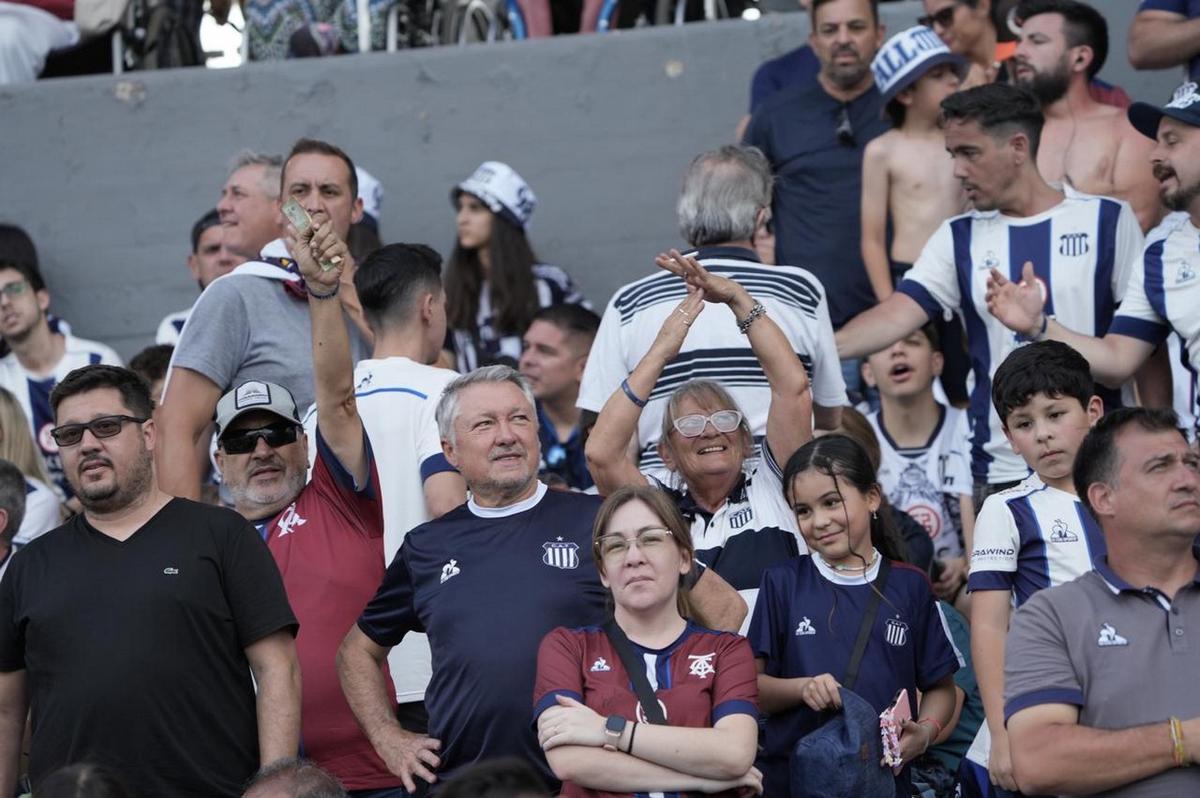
x: 1109, y: 637
x: 805, y: 627
x: 449, y: 570
x: 600, y: 666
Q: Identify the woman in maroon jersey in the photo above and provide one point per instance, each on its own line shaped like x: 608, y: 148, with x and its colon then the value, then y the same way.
x: 597, y: 733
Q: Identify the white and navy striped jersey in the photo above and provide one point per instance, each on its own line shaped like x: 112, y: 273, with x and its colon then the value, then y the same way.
x: 488, y: 345
x: 1082, y: 251
x: 926, y: 482
x: 1163, y: 296
x: 713, y: 349
x: 171, y: 327
x: 42, y: 512
x: 33, y: 394
x: 753, y: 530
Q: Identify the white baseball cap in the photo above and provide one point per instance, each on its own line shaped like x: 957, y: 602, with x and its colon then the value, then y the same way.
x: 907, y: 56
x: 500, y: 188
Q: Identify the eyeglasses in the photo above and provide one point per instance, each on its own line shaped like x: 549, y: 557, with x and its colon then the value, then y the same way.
x: 615, y: 545
x: 276, y: 435
x: 15, y: 288
x: 845, y: 130
x: 943, y: 18
x: 693, y: 426
x: 103, y: 427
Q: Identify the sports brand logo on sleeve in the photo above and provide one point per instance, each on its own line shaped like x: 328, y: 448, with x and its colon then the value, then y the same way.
x: 896, y: 632
x: 560, y: 554
x: 600, y: 665
x: 701, y: 665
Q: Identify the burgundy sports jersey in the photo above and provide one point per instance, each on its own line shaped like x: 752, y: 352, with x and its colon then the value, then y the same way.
x: 700, y: 678
x: 329, y: 547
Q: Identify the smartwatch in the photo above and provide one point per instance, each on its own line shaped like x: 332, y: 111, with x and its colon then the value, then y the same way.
x: 614, y: 727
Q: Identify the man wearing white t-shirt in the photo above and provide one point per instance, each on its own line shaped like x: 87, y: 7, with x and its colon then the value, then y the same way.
x: 397, y: 391
x: 1080, y: 246
x: 724, y: 204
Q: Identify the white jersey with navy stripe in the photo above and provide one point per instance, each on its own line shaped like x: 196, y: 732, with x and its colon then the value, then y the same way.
x: 1164, y: 294
x: 171, y: 327
x: 33, y: 393
x: 1082, y: 250
x: 713, y: 349
x: 927, y: 482
x: 43, y: 512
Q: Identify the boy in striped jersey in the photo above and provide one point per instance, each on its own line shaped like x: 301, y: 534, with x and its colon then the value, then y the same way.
x: 1030, y: 537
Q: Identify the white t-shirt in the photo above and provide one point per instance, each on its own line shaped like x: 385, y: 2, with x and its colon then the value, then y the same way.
x: 713, y: 349
x: 33, y: 394
x: 42, y: 512
x: 171, y: 327
x: 397, y: 398
x: 926, y: 482
x: 1082, y: 250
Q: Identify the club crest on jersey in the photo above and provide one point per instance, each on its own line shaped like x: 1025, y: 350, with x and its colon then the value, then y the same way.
x: 600, y: 665
x: 1060, y: 532
x: 990, y: 261
x: 805, y: 627
x: 896, y: 632
x: 449, y: 570
x: 1109, y: 637
x: 701, y: 665
x: 289, y: 520
x: 558, y: 554
x: 1073, y: 244
x: 1184, y: 273
x: 741, y: 518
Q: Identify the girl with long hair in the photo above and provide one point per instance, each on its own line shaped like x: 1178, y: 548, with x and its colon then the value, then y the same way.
x: 810, y: 609
x: 494, y: 283
x: 43, y: 510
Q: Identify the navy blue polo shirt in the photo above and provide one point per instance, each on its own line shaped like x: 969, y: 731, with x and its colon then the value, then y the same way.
x: 818, y: 189
x: 794, y: 68
x: 564, y: 459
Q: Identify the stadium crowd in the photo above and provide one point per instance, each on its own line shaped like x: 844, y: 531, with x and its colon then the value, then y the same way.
x: 885, y: 485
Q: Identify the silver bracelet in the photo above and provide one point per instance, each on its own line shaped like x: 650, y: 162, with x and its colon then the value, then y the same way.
x: 755, y: 312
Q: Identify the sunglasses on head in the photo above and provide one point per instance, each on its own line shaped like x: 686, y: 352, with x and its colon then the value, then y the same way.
x: 845, y: 130
x: 943, y: 18
x: 103, y: 427
x: 276, y: 435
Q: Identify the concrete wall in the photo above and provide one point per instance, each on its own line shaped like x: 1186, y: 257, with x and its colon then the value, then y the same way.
x: 108, y: 174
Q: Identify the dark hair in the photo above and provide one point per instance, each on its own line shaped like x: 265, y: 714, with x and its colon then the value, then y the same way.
x: 1098, y: 458
x: 1046, y: 367
x: 18, y: 252
x: 514, y: 292
x: 506, y: 777
x: 12, y: 498
x: 210, y: 219
x: 812, y: 9
x: 1083, y: 26
x: 841, y: 457
x: 392, y: 277
x: 999, y: 109
x: 135, y: 392
x: 318, y: 147
x: 895, y: 111
x: 363, y: 240
x: 301, y: 777
x: 571, y: 319
x: 83, y: 781
x: 152, y: 362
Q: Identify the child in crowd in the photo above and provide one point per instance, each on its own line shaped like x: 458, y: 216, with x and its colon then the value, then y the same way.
x: 924, y: 468
x: 1032, y: 536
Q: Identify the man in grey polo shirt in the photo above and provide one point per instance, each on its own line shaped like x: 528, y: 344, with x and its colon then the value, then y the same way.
x: 1100, y: 674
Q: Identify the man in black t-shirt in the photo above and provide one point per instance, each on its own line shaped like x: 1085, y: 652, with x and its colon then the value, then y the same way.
x: 132, y: 630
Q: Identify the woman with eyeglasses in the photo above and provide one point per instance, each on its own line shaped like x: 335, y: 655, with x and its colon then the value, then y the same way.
x: 699, y: 684
x: 732, y: 498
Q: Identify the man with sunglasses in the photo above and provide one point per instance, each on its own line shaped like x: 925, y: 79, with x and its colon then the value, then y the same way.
x: 134, y: 629
x: 326, y: 533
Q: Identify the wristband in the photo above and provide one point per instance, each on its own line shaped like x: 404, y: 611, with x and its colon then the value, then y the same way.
x: 633, y: 397
x: 937, y: 727
x: 755, y: 312
x: 633, y: 731
x: 1040, y: 335
x: 329, y: 295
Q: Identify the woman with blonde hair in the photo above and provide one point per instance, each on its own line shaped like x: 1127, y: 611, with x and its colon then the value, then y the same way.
x: 43, y: 510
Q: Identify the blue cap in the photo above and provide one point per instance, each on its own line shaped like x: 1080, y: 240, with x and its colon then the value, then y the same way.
x: 842, y: 757
x: 907, y: 56
x: 1184, y: 106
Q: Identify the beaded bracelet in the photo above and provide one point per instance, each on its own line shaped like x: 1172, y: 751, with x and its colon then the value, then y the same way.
x: 755, y: 312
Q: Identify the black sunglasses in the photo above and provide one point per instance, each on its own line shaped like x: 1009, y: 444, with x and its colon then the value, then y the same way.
x: 845, y: 130
x: 103, y: 427
x: 943, y: 18
x: 276, y: 435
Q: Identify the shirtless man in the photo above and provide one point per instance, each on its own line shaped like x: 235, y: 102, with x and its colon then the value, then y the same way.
x: 1085, y: 144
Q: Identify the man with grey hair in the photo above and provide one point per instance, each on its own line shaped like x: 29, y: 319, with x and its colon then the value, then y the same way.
x: 12, y: 509
x: 814, y: 135
x: 249, y: 206
x: 725, y: 204
x: 293, y: 778
x: 486, y: 581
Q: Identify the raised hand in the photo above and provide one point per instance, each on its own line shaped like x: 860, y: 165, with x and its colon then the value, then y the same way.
x: 715, y: 288
x: 316, y: 249
x: 1018, y: 306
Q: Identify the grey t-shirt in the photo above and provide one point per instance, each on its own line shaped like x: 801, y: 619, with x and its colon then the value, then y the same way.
x: 249, y: 327
x: 1119, y: 653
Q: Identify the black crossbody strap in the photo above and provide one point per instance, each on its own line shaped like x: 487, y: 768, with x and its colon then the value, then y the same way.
x: 635, y: 666
x: 868, y: 622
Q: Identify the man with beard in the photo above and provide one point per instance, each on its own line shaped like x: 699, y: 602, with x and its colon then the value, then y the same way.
x: 814, y: 135
x: 134, y: 629
x: 1079, y: 248
x: 1087, y: 145
x: 1163, y: 295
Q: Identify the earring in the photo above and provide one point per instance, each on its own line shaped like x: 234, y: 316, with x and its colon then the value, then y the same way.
x: 874, y: 515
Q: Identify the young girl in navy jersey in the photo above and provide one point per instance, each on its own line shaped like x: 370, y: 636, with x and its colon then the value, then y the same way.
x: 809, y: 611
x: 590, y: 721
